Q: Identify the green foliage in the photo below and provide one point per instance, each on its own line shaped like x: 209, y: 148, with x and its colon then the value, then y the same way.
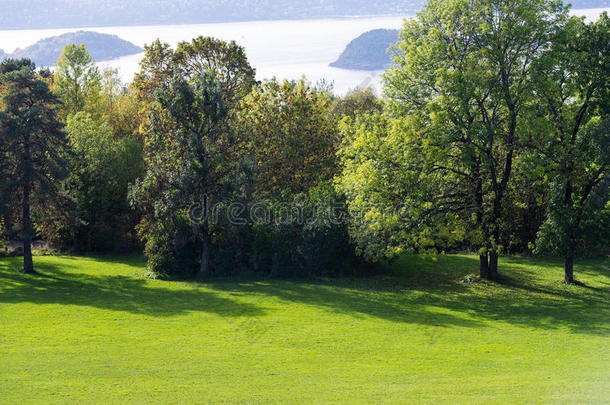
x: 226, y: 60
x: 77, y: 79
x: 457, y: 106
x: 359, y: 101
x: 294, y: 235
x: 291, y: 134
x: 101, y: 169
x: 118, y: 106
x: 572, y: 142
x: 493, y: 135
x: 33, y: 144
x: 189, y: 148
x: 387, y: 189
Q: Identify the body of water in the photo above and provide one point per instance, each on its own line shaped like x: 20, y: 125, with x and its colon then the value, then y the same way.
x: 281, y: 49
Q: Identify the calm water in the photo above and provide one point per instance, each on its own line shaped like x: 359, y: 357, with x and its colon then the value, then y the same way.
x: 282, y: 49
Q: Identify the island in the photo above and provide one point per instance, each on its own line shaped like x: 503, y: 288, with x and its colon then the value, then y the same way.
x: 369, y: 51
x: 101, y: 47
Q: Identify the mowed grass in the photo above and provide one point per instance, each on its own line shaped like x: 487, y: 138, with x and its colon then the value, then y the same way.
x: 94, y: 330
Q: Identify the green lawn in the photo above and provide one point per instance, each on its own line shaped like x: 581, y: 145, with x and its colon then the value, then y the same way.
x: 94, y: 330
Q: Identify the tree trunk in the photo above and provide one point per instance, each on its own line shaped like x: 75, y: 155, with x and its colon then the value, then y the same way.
x: 28, y: 231
x: 493, y: 265
x: 204, y: 269
x: 569, y: 257
x: 205, y: 255
x: 89, y: 240
x: 569, y: 270
x: 483, y: 266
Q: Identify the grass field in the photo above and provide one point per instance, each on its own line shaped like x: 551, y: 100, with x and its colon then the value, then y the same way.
x: 94, y: 330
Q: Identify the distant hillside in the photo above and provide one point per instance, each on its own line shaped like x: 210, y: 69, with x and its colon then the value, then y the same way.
x: 368, y: 52
x: 32, y: 14
x: 101, y: 47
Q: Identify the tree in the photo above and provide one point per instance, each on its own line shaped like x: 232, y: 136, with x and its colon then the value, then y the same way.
x: 118, y: 106
x: 227, y: 60
x: 192, y: 158
x: 77, y: 79
x: 292, y: 135
x: 101, y: 168
x: 188, y: 146
x: 32, y: 137
x: 462, y: 82
x: 156, y: 67
x: 574, y: 140
x: 357, y: 101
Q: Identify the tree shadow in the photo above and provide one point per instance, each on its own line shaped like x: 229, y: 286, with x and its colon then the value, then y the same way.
x: 415, y: 288
x: 426, y: 290
x: 115, y: 292
x: 343, y: 298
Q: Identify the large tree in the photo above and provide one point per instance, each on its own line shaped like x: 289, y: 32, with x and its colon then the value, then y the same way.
x: 191, y: 95
x: 461, y: 83
x: 77, y: 79
x: 292, y: 134
x: 573, y: 82
x: 32, y: 139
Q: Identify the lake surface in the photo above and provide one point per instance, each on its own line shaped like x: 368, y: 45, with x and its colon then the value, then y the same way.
x: 281, y: 49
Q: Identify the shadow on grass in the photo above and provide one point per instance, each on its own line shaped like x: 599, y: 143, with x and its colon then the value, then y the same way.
x: 111, y: 292
x: 416, y: 284
x: 419, y: 290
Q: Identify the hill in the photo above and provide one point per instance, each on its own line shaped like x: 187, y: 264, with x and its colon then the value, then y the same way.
x: 101, y: 47
x: 368, y: 52
x: 32, y: 14
x: 91, y: 13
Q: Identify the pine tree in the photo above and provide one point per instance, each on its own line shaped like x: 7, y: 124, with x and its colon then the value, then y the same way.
x: 32, y: 141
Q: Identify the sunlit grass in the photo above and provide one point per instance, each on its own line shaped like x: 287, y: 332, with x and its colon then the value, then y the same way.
x: 95, y: 330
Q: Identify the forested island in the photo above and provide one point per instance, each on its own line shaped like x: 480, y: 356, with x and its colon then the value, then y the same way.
x: 369, y: 51
x: 101, y: 47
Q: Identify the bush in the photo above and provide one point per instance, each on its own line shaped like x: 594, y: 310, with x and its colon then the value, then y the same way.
x: 301, y: 235
x: 171, y: 250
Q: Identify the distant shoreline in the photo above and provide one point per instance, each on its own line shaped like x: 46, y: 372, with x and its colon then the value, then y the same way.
x: 238, y: 21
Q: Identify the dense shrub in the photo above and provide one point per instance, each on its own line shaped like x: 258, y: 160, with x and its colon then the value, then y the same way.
x: 302, y: 234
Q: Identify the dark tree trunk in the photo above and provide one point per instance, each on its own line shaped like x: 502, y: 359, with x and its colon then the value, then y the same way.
x: 483, y: 266
x: 204, y: 269
x: 89, y: 240
x: 569, y: 258
x: 493, y: 265
x: 28, y: 231
x: 205, y: 255
x: 569, y: 270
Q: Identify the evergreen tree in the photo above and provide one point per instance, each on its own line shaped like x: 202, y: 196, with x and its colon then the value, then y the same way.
x: 32, y: 139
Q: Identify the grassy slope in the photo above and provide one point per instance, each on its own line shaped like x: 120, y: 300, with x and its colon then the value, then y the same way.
x: 93, y: 330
